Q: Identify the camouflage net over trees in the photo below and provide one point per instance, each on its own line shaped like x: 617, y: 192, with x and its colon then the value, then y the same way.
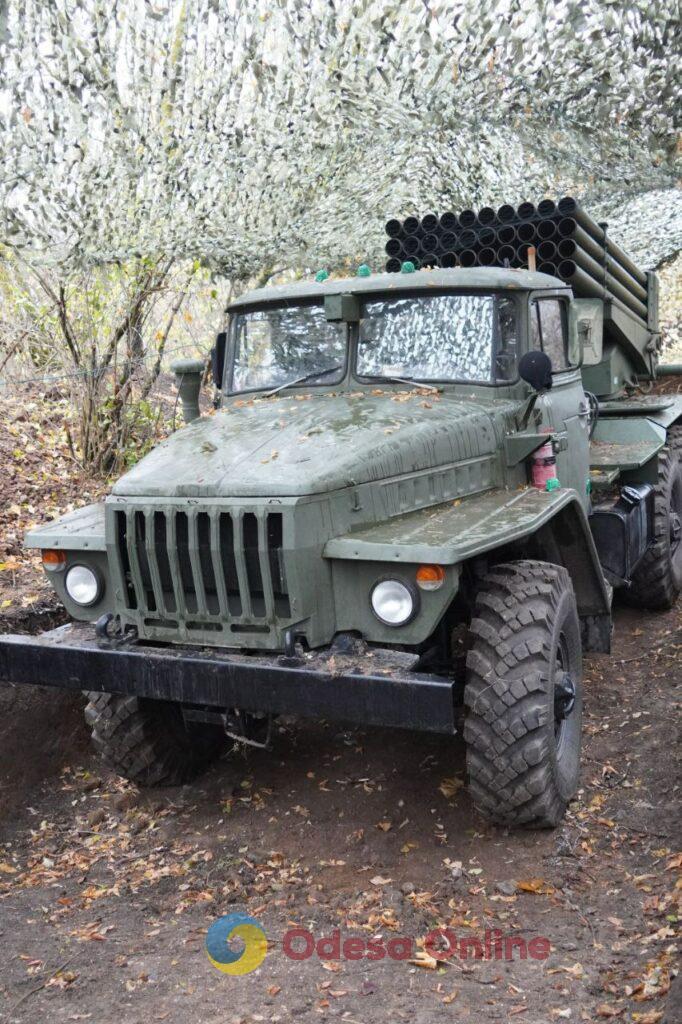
x: 281, y: 133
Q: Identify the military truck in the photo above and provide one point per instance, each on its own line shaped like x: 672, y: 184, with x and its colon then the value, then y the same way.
x: 410, y: 507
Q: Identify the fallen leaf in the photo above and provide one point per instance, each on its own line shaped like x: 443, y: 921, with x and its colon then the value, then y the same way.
x: 424, y: 959
x: 449, y: 787
x: 536, y: 885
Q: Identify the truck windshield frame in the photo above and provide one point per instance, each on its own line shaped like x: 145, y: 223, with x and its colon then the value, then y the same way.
x: 405, y: 336
x: 274, y: 346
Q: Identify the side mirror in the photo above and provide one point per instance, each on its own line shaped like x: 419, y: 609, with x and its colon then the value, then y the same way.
x: 218, y: 360
x: 536, y: 369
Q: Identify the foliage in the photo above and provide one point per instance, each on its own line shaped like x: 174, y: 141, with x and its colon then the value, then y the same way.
x: 102, y: 333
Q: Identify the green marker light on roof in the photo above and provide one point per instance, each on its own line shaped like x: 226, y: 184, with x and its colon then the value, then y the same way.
x: 321, y: 276
x: 364, y: 270
x: 407, y: 267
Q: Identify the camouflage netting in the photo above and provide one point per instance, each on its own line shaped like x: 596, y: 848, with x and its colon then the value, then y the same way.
x: 282, y: 133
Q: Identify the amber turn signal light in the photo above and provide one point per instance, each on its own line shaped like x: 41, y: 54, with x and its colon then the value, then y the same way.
x: 53, y: 560
x: 430, y: 577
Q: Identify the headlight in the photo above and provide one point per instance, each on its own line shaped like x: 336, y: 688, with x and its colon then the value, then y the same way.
x: 83, y: 585
x: 393, y: 602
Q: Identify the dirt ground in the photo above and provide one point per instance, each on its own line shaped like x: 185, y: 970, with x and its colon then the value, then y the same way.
x: 106, y: 893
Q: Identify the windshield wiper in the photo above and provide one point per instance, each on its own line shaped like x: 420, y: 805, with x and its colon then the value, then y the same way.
x: 303, y: 379
x: 412, y: 383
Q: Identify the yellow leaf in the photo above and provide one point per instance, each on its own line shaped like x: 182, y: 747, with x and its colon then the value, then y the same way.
x: 449, y: 787
x: 424, y: 959
x: 536, y: 885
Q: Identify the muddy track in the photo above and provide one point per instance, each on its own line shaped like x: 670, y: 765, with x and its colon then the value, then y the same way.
x: 105, y: 894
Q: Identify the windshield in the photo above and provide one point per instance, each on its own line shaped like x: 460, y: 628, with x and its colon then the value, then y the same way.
x: 276, y: 347
x: 439, y: 337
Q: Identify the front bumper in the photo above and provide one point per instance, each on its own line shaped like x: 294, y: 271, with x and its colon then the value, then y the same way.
x: 369, y: 686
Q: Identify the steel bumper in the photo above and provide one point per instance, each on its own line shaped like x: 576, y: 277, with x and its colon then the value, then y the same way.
x: 368, y: 686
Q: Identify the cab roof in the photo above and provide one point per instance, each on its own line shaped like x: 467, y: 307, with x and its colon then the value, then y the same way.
x: 476, y: 279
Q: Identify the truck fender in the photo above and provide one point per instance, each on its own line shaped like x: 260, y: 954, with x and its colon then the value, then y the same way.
x: 550, y: 526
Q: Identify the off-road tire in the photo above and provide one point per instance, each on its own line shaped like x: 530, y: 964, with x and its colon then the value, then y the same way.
x: 657, y: 581
x: 147, y: 741
x: 523, y: 767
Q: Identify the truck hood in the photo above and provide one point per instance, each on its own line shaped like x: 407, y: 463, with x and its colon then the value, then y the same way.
x: 312, y: 443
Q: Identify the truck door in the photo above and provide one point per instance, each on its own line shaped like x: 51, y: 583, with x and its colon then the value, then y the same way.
x: 564, y: 409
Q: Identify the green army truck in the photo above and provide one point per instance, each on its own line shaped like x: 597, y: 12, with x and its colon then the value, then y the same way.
x: 410, y: 507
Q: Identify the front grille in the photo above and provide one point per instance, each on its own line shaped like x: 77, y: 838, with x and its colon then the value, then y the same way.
x: 202, y: 568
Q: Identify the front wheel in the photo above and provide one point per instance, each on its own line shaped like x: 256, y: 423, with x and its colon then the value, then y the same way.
x: 148, y: 741
x: 523, y: 695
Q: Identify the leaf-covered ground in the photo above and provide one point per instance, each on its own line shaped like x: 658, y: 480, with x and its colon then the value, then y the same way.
x: 106, y: 893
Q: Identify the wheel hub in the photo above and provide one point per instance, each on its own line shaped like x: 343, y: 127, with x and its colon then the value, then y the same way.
x: 564, y: 696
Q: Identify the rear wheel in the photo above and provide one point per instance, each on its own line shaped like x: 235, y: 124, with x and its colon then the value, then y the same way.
x: 148, y: 741
x: 657, y: 580
x: 523, y: 695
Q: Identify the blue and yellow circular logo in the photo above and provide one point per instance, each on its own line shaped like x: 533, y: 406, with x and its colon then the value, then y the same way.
x: 230, y: 927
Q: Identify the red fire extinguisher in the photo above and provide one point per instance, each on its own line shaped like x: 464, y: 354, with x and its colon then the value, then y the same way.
x: 543, y: 467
